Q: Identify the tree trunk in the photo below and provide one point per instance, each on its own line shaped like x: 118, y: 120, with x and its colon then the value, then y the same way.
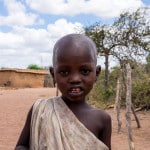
x: 106, y: 71
x: 117, y: 105
x: 128, y: 106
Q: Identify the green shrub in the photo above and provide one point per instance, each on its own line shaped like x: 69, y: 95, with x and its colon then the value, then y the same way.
x: 101, y: 97
x: 34, y: 66
x: 141, y: 93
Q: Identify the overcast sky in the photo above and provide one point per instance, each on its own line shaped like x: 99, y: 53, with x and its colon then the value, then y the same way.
x: 29, y: 28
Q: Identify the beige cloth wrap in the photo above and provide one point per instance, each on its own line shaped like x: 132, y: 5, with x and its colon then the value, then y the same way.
x: 55, y: 127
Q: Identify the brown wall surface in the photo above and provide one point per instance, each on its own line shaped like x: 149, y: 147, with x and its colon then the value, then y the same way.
x: 24, y: 78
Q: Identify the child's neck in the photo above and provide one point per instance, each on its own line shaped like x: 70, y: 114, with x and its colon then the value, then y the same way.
x: 72, y: 104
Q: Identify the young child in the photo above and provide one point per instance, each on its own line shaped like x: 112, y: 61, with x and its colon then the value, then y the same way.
x: 69, y: 122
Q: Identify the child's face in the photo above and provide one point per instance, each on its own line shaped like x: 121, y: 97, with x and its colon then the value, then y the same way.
x: 75, y: 72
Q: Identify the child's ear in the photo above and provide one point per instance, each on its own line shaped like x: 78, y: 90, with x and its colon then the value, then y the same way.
x: 51, y: 70
x: 98, y: 71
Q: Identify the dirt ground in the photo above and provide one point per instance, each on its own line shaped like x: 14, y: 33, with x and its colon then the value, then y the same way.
x: 15, y: 103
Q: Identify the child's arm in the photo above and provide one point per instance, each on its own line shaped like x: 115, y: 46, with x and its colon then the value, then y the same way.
x: 106, y: 134
x: 23, y: 142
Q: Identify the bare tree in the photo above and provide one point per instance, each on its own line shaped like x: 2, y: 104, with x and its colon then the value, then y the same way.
x: 127, y: 38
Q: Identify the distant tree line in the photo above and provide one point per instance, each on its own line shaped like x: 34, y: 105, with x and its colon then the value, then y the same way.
x: 34, y: 66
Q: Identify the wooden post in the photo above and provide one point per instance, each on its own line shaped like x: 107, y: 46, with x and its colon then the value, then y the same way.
x: 124, y: 72
x: 136, y: 118
x: 117, y: 105
x: 128, y: 106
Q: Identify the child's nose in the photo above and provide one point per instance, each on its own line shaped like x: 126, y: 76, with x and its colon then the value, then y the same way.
x: 75, y: 78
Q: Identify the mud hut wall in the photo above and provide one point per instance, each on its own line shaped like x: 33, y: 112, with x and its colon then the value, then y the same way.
x: 21, y: 79
x: 27, y: 79
x: 5, y: 78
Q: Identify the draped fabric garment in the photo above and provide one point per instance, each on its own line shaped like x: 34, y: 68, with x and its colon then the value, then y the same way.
x: 55, y: 127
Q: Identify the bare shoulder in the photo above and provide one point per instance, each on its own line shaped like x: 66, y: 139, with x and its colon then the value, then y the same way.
x: 104, y: 125
x: 101, y: 114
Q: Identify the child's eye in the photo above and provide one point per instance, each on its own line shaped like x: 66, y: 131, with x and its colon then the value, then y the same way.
x: 85, y: 71
x: 64, y: 73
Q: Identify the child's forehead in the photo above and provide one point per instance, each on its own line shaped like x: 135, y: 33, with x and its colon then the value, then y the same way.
x: 74, y: 55
x: 74, y: 62
x: 74, y: 48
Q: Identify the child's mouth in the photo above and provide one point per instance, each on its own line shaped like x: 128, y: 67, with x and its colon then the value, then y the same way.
x: 76, y: 91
